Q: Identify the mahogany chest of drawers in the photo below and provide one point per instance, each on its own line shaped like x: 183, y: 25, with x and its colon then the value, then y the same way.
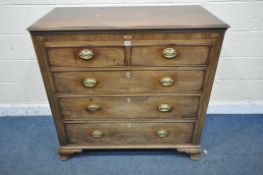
x: 128, y: 77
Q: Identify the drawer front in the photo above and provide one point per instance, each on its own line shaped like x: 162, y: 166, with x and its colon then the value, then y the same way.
x: 87, y: 57
x: 125, y: 133
x: 169, y: 55
x: 128, y: 81
x: 154, y: 107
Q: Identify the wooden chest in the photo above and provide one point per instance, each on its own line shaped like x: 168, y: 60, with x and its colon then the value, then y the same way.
x: 128, y: 77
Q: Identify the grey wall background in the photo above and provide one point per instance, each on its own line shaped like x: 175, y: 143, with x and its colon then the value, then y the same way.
x: 239, y: 79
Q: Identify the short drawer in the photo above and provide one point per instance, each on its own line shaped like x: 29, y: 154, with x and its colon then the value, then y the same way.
x: 129, y: 107
x: 128, y: 81
x: 169, y: 55
x: 86, y: 57
x: 129, y: 133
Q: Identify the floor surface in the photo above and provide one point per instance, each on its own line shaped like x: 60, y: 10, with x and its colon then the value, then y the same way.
x: 233, y: 146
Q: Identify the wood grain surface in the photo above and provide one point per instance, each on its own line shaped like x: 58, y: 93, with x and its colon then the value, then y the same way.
x: 128, y: 81
x: 130, y: 107
x: 119, y: 18
x: 103, y: 57
x: 186, y: 55
x: 129, y: 133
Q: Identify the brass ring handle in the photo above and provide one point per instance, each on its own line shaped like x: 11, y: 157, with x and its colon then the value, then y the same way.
x: 164, y: 108
x: 89, y: 82
x: 166, y: 81
x: 162, y: 133
x: 169, y: 53
x: 86, y: 54
x: 93, y: 108
x: 96, y: 134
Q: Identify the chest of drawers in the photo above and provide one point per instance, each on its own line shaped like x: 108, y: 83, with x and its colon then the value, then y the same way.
x: 128, y: 77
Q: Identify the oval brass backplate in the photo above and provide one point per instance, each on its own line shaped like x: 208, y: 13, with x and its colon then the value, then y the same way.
x: 162, y: 133
x: 169, y: 53
x: 93, y: 108
x: 89, y: 82
x: 166, y: 81
x: 96, y: 134
x: 86, y: 54
x: 164, y: 108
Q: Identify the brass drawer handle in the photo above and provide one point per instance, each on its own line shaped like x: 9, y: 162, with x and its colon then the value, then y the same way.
x: 162, y: 133
x: 164, y: 108
x: 93, y: 108
x: 169, y: 53
x: 166, y: 81
x: 96, y: 134
x: 86, y: 54
x: 89, y: 82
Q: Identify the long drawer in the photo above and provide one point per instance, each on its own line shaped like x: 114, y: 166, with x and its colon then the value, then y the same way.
x: 129, y: 107
x: 128, y: 81
x: 129, y: 133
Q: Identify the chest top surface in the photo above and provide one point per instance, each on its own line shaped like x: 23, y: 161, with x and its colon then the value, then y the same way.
x: 127, y: 18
